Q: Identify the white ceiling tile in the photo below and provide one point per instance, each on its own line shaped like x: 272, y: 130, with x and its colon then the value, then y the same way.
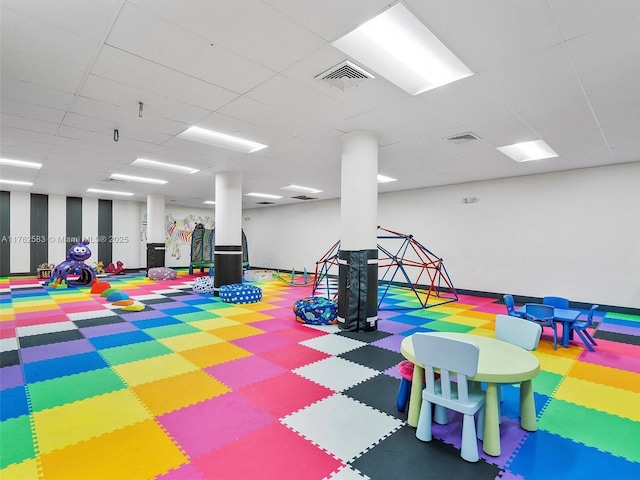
x: 40, y: 72
x: 561, y: 119
x: 537, y: 80
x: 577, y: 17
x: 240, y: 27
x: 46, y: 42
x: 89, y: 19
x: 579, y: 142
x: 617, y: 106
x: 622, y: 135
x: 132, y: 70
x: 162, y: 42
x: 599, y: 61
x: 34, y: 94
x: 488, y: 33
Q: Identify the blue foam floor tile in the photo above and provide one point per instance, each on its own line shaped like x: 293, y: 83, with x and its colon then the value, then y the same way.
x: 119, y: 339
x: 155, y: 322
x: 543, y: 456
x: 60, y: 367
x: 13, y: 403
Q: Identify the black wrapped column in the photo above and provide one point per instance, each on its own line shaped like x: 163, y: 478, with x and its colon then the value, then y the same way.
x: 227, y: 265
x: 358, y: 290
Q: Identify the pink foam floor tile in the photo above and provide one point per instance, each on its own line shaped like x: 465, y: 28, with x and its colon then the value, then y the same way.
x: 294, y: 356
x: 211, y: 424
x: 271, y: 453
x: 284, y: 394
x: 244, y: 371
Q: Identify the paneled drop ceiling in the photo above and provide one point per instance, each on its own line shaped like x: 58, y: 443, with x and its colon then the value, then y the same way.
x: 73, y: 71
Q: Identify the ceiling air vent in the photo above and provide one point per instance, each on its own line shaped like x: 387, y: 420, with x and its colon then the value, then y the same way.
x: 463, y: 138
x: 265, y: 203
x: 345, y: 76
x: 304, y: 197
x: 113, y: 180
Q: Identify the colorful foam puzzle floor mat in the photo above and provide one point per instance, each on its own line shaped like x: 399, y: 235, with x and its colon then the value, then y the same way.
x: 190, y: 387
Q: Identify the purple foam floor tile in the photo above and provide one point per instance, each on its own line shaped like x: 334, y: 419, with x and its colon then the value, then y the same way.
x: 55, y: 350
x: 145, y: 315
x: 511, y: 436
x: 167, y: 305
x: 393, y: 327
x: 110, y: 329
x: 213, y: 423
x: 11, y: 377
x: 613, y: 328
x: 244, y: 371
x: 392, y: 342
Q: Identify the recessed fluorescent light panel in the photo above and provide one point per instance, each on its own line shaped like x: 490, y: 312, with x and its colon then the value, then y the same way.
x: 16, y: 182
x: 221, y: 140
x: 299, y: 189
x: 131, y: 178
x: 108, y: 192
x: 143, y: 162
x: 209, y: 202
x: 262, y: 195
x: 19, y: 163
x: 400, y: 48
x: 528, y: 151
x: 383, y: 179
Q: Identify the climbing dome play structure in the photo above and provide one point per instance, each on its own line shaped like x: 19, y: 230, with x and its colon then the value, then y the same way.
x: 402, y: 262
x: 202, y: 247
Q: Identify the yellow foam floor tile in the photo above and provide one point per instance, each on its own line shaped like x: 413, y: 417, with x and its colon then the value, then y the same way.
x: 252, y: 317
x: 20, y: 471
x: 615, y: 401
x: 606, y: 376
x: 74, y: 422
x: 140, y: 451
x: 487, y: 317
x: 553, y: 363
x: 463, y: 319
x: 190, y: 341
x: 152, y: 369
x: 239, y: 331
x: 173, y: 393
x: 213, y: 323
x: 215, y: 354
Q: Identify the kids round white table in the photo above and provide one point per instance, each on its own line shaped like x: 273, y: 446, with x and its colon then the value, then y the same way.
x: 499, y: 362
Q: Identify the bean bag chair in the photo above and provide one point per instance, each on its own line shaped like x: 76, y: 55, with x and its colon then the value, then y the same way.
x: 240, y: 293
x: 316, y: 311
x: 203, y: 285
x: 161, y: 273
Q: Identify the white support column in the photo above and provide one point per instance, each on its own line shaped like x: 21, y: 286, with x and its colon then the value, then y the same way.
x: 358, y: 274
x: 228, y: 240
x: 156, y: 232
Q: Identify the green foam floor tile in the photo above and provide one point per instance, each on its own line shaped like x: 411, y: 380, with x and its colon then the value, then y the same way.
x: 134, y: 352
x: 593, y: 428
x: 442, y: 326
x: 58, y: 391
x: 546, y: 383
x: 171, y: 330
x: 20, y: 446
x: 195, y: 316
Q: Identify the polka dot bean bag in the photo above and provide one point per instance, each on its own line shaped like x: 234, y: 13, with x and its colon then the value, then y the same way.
x: 316, y: 311
x: 240, y: 293
x: 203, y: 285
x: 162, y: 273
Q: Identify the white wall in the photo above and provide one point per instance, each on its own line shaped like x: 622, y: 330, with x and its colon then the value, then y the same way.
x: 127, y: 228
x: 574, y: 234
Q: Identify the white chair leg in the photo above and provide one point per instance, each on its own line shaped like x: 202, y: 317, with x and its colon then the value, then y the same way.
x: 441, y: 416
x: 480, y: 427
x: 423, y: 430
x: 469, y: 447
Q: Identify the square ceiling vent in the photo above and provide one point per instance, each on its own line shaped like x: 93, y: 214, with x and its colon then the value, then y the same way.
x: 345, y: 76
x: 463, y: 138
